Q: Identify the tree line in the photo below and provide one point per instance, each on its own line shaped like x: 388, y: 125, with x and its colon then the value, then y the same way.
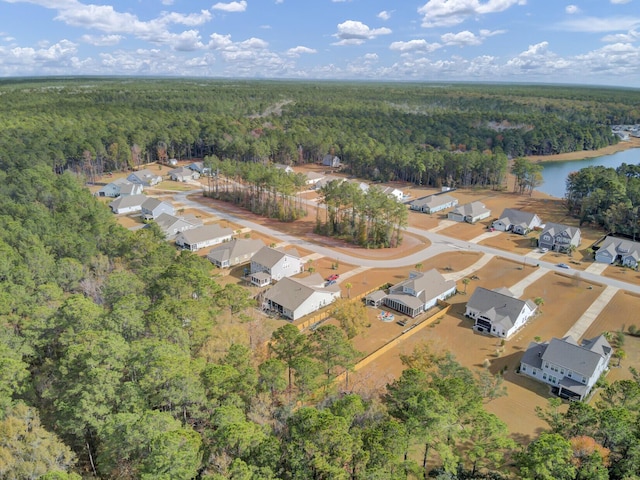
x: 607, y: 197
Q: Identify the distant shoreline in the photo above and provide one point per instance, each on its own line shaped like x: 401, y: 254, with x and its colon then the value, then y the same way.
x: 621, y: 146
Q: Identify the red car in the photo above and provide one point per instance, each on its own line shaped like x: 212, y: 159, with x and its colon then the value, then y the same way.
x: 332, y: 278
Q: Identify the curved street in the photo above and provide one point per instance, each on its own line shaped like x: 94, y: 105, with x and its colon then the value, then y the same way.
x: 439, y: 244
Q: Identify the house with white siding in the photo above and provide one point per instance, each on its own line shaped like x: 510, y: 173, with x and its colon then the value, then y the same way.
x: 118, y: 187
x: 145, y: 178
x: 203, y: 237
x: 128, y: 204
x: 469, y: 212
x: 183, y: 174
x: 172, y: 225
x: 274, y: 264
x: 417, y: 294
x: 234, y: 252
x: 293, y: 298
x: 153, y: 207
x: 498, y: 312
x: 571, y: 369
x: 433, y: 203
x: 516, y: 221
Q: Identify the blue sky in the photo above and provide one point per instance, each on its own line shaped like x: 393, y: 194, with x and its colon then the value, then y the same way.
x: 584, y: 42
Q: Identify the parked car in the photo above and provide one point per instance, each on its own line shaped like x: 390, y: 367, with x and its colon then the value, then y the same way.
x: 333, y: 278
x: 563, y: 265
x: 543, y: 250
x: 330, y: 282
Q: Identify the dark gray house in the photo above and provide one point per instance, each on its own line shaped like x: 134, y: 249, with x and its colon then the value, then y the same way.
x: 559, y: 237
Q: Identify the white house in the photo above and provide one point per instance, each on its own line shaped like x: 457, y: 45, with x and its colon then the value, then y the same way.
x: 172, y: 225
x: 234, y: 252
x: 417, y: 294
x: 469, y: 212
x: 183, y: 174
x: 283, y: 167
x: 559, y: 237
x: 203, y: 237
x: 128, y: 204
x: 145, y: 178
x: 274, y: 263
x: 313, y: 178
x: 294, y: 298
x: 433, y: 203
x: 498, y: 312
x: 153, y: 207
x: 330, y: 161
x: 393, y: 192
x: 614, y: 249
x: 119, y: 187
x: 516, y: 221
x: 570, y: 369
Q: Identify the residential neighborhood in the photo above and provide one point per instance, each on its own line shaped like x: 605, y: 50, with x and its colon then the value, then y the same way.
x: 498, y: 312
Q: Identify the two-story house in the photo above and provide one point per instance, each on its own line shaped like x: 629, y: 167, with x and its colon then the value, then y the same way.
x: 498, y: 312
x: 417, y: 294
x: 559, y: 238
x: 270, y: 264
x: 516, y: 221
x: 570, y: 369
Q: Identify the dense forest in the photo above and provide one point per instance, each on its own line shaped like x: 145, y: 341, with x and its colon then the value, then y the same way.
x: 120, y: 358
x: 430, y: 134
x: 609, y: 197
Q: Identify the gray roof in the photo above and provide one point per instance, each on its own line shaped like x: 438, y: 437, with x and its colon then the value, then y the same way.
x: 432, y: 201
x: 268, y: 257
x: 128, y: 188
x: 472, y: 209
x: 498, y: 306
x: 533, y: 355
x: 554, y: 229
x: 290, y: 293
x: 182, y: 171
x: 152, y: 203
x: 620, y: 245
x: 167, y: 221
x: 582, y: 359
x: 517, y: 217
x: 128, y: 201
x: 427, y: 285
x: 237, y: 247
x: 145, y: 175
x: 376, y: 296
x: 204, y: 233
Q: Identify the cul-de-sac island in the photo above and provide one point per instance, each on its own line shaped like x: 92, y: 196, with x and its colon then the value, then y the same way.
x: 281, y: 281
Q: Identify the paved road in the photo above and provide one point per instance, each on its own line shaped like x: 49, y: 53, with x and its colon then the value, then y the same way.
x: 439, y: 244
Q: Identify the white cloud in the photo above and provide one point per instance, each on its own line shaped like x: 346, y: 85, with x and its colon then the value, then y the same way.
x: 166, y: 2
x: 240, y: 6
x: 599, y: 24
x: 102, y: 40
x: 572, y: 9
x: 461, y: 39
x: 353, y: 32
x: 371, y: 57
x: 445, y: 13
x: 299, y: 50
x: 384, y: 15
x: 619, y: 2
x: 415, y: 46
x: 629, y: 37
x: 191, y: 20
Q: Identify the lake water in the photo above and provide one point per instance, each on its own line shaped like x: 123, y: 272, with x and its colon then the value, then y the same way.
x: 555, y: 173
